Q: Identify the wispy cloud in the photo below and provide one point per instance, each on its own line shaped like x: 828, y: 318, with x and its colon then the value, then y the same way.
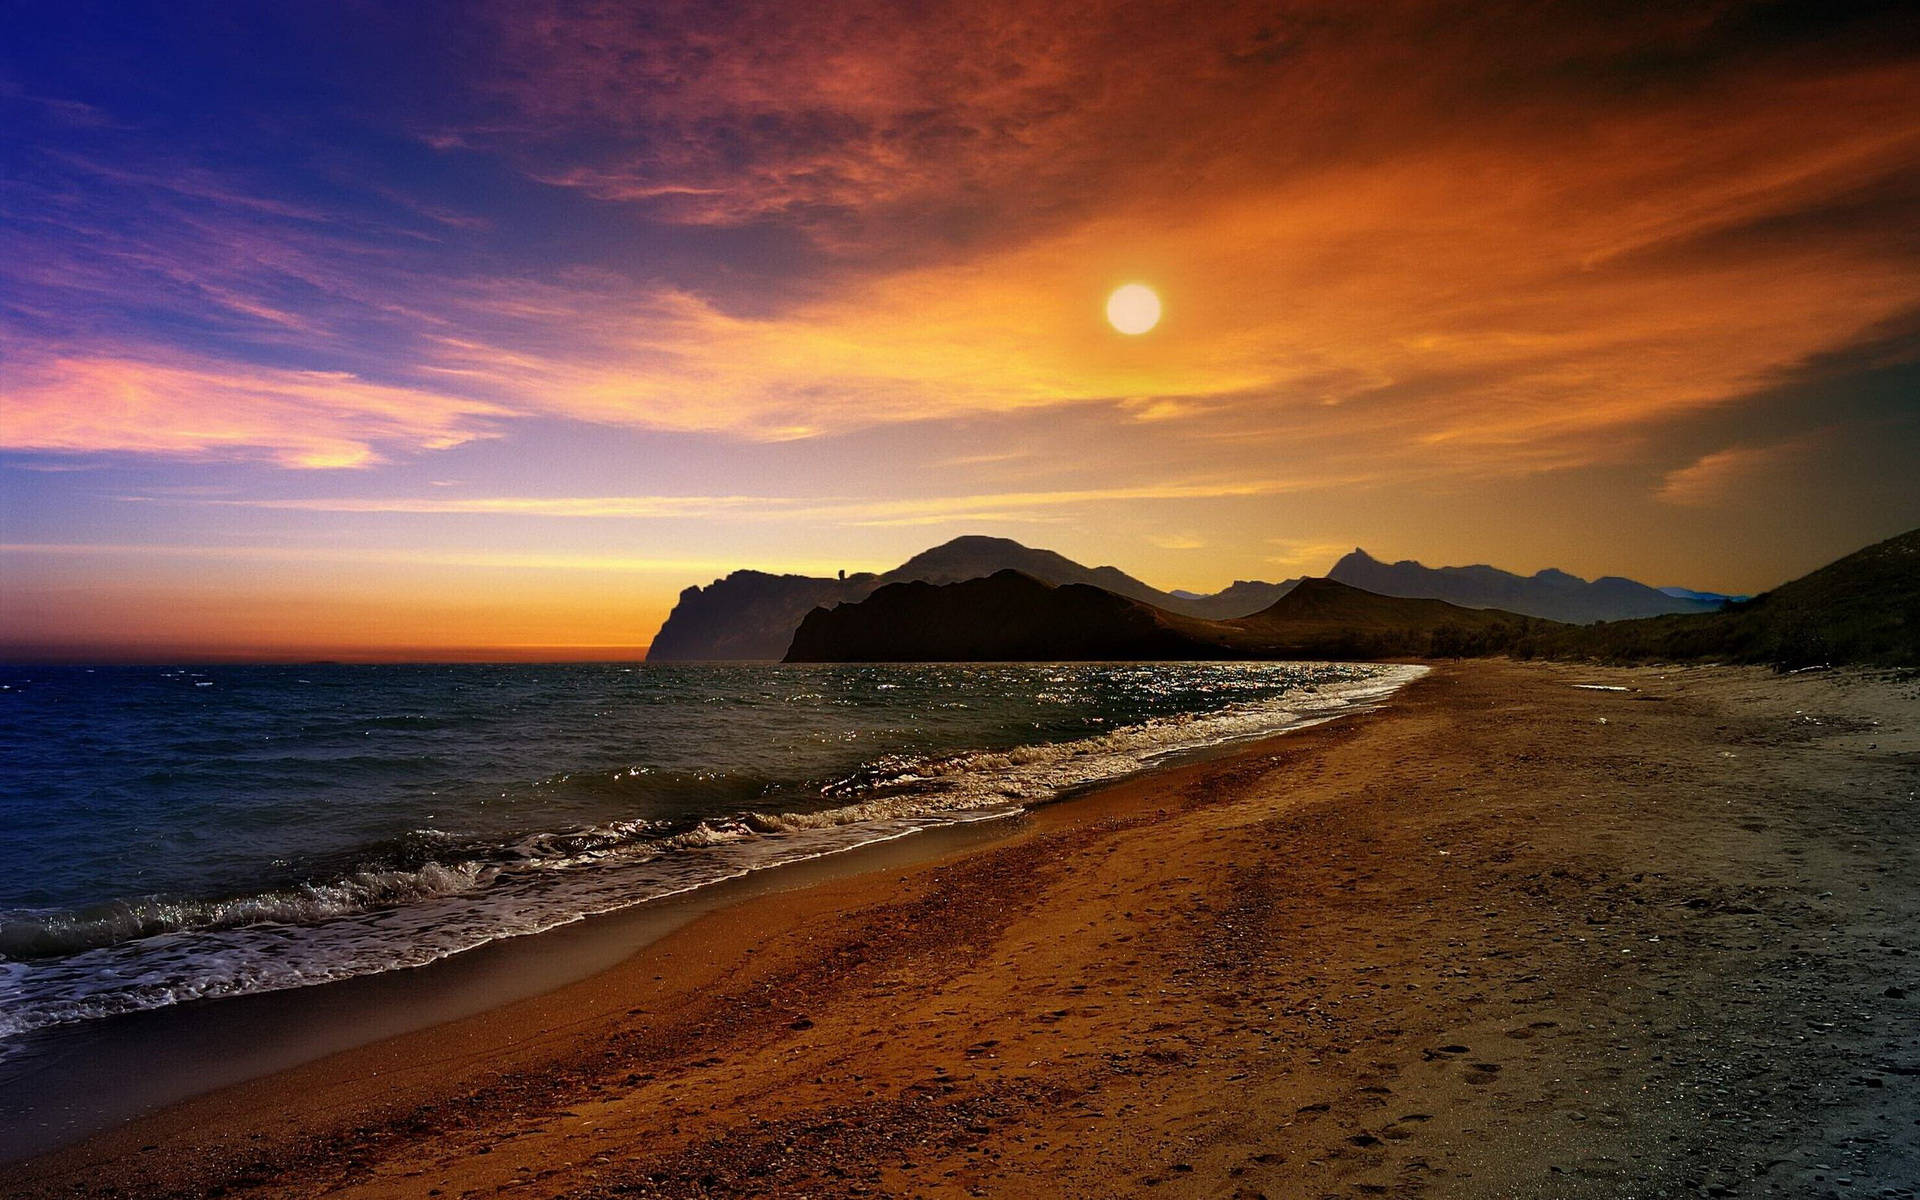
x: 304, y: 419
x: 1487, y: 269
x: 1300, y: 556
x: 1176, y: 541
x: 876, y: 512
x: 320, y: 555
x: 1734, y: 475
x: 1456, y: 282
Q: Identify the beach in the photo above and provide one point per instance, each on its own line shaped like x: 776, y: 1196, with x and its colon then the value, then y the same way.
x: 1516, y: 933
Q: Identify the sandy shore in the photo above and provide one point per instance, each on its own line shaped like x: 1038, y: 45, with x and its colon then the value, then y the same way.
x: 1506, y: 937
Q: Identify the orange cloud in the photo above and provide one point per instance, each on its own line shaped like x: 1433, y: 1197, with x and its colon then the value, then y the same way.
x: 1730, y: 475
x: 1476, y: 258
x: 303, y: 419
x: 1506, y: 313
x: 925, y: 510
x: 1433, y: 258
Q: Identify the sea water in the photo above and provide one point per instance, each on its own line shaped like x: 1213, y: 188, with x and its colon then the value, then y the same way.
x: 176, y: 834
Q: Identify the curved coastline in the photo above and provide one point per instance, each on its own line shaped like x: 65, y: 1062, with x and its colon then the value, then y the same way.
x: 1505, y: 936
x: 71, y: 1082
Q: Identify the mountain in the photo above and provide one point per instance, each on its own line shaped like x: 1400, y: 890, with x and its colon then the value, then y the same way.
x: 1719, y: 600
x: 1242, y: 597
x: 1013, y: 617
x: 1865, y: 608
x: 1324, y: 618
x: 976, y: 557
x: 1553, y: 594
x: 753, y: 615
x: 747, y: 615
x: 1008, y: 616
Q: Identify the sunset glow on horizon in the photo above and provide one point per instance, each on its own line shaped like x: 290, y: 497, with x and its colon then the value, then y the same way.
x: 486, y: 330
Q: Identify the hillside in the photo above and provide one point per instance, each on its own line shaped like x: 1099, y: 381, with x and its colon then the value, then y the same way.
x: 1012, y: 617
x: 975, y: 557
x: 1865, y: 608
x: 1008, y: 616
x: 1242, y: 597
x: 753, y: 615
x: 1553, y: 594
x: 1324, y: 618
x: 747, y: 615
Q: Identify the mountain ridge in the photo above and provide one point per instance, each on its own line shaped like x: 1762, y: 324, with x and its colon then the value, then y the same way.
x: 1550, y: 593
x: 752, y: 615
x: 1013, y: 617
x: 1863, y: 608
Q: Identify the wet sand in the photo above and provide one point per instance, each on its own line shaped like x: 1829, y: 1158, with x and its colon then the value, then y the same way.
x: 74, y: 1080
x: 1505, y: 937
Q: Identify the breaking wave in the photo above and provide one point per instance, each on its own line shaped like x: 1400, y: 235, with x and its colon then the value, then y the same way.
x: 433, y: 893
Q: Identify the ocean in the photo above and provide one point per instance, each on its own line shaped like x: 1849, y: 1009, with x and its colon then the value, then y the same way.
x: 180, y: 834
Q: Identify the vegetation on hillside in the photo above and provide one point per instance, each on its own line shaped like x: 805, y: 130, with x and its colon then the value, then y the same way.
x: 1863, y: 609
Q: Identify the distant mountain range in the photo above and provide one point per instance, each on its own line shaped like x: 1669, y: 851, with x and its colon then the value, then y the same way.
x: 1717, y: 599
x: 1011, y: 616
x: 1552, y: 594
x: 1865, y: 608
x: 753, y: 615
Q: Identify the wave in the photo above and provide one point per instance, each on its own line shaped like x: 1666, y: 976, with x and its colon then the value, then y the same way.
x: 52, y: 934
x: 432, y: 893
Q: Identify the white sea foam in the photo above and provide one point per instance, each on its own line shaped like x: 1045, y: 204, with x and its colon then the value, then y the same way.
x: 151, y: 952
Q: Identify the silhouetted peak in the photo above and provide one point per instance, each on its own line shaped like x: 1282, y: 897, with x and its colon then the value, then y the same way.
x: 1320, y: 585
x: 975, y: 543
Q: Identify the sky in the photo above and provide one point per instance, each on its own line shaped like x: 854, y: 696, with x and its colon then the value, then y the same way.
x: 371, y: 330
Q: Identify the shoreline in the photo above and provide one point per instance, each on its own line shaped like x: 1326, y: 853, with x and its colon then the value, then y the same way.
x: 132, y: 1064
x: 1073, y: 998
x: 66, y: 1084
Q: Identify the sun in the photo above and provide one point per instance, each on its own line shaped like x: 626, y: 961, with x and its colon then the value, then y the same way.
x: 1133, y: 309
